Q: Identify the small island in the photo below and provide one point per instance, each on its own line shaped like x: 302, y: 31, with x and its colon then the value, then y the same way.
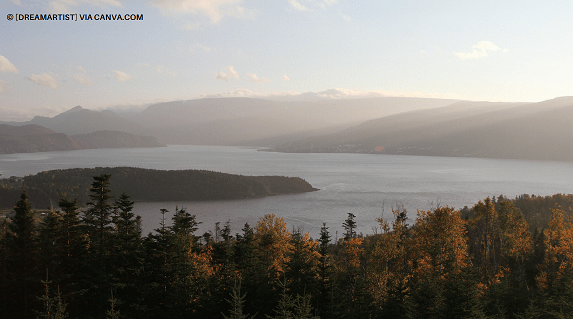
x: 141, y: 184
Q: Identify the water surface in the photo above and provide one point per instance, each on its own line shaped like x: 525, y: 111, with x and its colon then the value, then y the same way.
x: 366, y: 185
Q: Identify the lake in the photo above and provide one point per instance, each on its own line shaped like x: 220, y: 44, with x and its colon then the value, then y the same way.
x: 367, y: 185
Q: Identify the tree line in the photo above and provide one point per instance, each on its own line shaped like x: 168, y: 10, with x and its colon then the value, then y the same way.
x: 483, y: 262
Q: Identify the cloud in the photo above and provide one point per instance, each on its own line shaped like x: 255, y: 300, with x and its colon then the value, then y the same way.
x: 234, y: 93
x: 121, y: 76
x: 297, y: 4
x: 256, y: 79
x: 6, y: 66
x: 286, y: 78
x: 233, y: 73
x: 44, y: 79
x: 480, y: 50
x: 330, y: 94
x: 82, y: 79
x: 62, y: 6
x: 213, y: 9
x: 224, y: 75
x: 162, y: 69
x: 4, y: 87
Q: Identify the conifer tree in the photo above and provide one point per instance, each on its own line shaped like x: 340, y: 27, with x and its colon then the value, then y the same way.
x: 98, y: 215
x: 127, y: 255
x: 237, y: 303
x: 349, y: 226
x: 53, y: 307
x: 72, y: 245
x: 22, y: 246
x: 50, y: 251
x: 97, y: 268
x: 303, y: 266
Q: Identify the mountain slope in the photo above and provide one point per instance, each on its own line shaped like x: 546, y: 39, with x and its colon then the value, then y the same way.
x: 35, y: 138
x: 540, y: 131
x: 82, y: 121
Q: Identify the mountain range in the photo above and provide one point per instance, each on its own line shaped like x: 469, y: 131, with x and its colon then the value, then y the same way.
x: 30, y: 138
x: 386, y: 125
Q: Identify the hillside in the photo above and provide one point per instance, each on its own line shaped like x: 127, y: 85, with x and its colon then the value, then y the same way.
x: 152, y: 185
x: 533, y: 131
x: 33, y: 138
x: 82, y: 121
x: 242, y: 121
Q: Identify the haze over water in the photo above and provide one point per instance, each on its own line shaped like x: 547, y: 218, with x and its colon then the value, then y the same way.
x: 366, y: 185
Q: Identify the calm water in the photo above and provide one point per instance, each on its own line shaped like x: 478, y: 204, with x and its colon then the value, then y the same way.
x: 366, y: 185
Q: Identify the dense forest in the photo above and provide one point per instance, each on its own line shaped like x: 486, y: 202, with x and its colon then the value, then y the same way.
x: 480, y: 262
x: 45, y: 188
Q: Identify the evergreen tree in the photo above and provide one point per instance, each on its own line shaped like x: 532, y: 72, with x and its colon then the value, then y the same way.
x: 72, y: 245
x: 53, y: 307
x: 237, y: 300
x: 127, y: 256
x: 254, y: 273
x: 22, y: 249
x: 97, y: 218
x: 324, y: 303
x: 50, y: 251
x: 97, y: 269
x: 349, y: 226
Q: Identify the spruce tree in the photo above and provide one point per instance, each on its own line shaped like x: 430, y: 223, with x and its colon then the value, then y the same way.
x: 97, y: 268
x: 127, y: 255
x: 22, y: 245
x: 349, y: 227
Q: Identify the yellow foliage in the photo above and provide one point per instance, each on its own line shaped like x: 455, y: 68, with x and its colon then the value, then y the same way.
x: 438, y: 243
x: 273, y: 241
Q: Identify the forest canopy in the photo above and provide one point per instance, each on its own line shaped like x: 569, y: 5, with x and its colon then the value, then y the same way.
x: 479, y: 262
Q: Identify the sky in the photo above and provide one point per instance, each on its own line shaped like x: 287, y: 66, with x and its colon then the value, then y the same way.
x: 186, y: 49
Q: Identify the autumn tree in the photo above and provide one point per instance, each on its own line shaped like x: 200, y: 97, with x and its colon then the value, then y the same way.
x: 273, y: 241
x: 555, y: 280
x: 389, y: 270
x: 439, y: 259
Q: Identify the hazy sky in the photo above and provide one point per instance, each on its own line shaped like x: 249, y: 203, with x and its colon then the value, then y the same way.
x: 185, y: 49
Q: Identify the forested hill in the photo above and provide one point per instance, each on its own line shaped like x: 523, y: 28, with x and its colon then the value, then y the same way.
x: 151, y: 185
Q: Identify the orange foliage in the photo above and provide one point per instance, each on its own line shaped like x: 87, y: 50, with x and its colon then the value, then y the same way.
x: 559, y: 250
x: 273, y: 240
x: 438, y: 244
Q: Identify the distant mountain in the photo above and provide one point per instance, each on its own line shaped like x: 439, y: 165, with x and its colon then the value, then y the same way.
x: 390, y: 125
x: 35, y: 138
x: 82, y: 121
x: 240, y: 121
x: 30, y: 129
x: 535, y: 131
